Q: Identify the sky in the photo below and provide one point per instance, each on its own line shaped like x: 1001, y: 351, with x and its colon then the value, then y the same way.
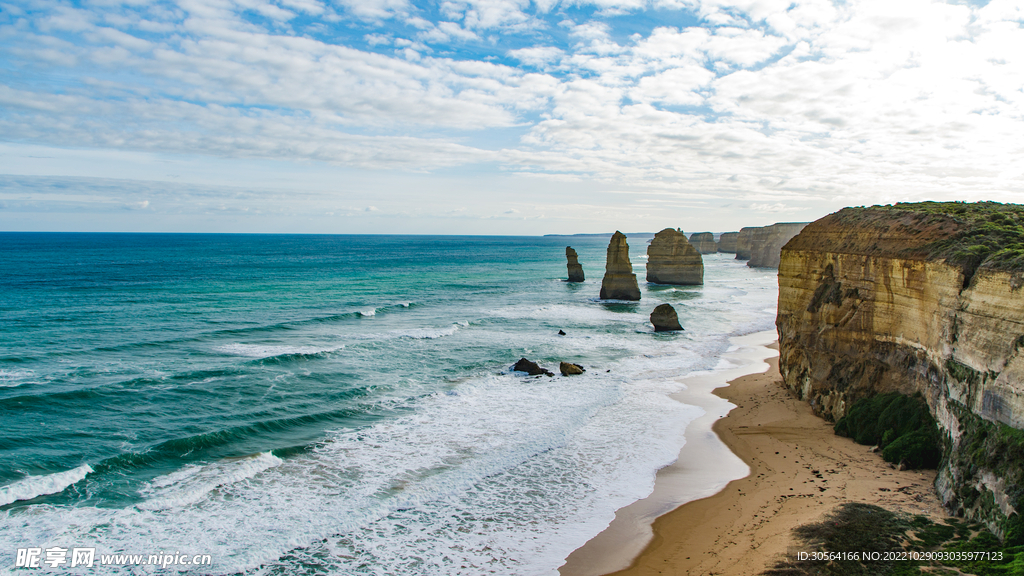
x: 500, y: 116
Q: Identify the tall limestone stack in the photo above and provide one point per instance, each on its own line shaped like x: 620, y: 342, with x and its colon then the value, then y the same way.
x: 704, y: 242
x: 743, y: 242
x: 619, y: 281
x: 919, y: 298
x: 727, y: 242
x: 573, y: 264
x: 673, y: 260
x: 767, y: 243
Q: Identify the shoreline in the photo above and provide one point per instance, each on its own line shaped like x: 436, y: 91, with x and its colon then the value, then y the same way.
x: 799, y: 470
x: 704, y: 465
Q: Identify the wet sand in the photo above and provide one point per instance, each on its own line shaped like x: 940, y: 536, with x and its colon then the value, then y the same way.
x: 799, y: 470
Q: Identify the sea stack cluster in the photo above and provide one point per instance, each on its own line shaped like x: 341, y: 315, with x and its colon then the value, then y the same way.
x: 573, y: 264
x: 704, y: 242
x: 619, y: 281
x: 673, y: 260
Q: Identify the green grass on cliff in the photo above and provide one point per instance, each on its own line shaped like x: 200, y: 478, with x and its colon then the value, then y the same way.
x: 855, y: 528
x: 900, y: 425
x: 992, y: 233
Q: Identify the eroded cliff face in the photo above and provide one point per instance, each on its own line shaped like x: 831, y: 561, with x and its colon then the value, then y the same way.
x: 673, y: 260
x: 704, y: 242
x: 743, y: 242
x: 766, y: 243
x: 864, y: 309
x: 727, y: 242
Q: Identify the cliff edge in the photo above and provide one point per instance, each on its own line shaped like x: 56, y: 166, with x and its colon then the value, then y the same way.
x: 919, y: 298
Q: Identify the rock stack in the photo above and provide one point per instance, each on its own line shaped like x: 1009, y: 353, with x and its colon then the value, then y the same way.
x: 766, y: 243
x: 530, y: 367
x: 575, y: 269
x: 704, y: 242
x: 727, y: 242
x: 665, y: 319
x: 743, y: 242
x: 570, y: 369
x: 619, y: 281
x: 673, y: 260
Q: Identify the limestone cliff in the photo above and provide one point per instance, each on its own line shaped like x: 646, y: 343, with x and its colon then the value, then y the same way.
x: 573, y: 264
x: 619, y: 281
x: 704, y: 242
x: 766, y: 243
x: 727, y: 242
x: 918, y: 298
x: 743, y: 244
x: 673, y: 260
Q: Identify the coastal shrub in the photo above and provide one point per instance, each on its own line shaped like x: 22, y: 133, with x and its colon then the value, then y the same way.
x: 962, y: 372
x: 991, y: 233
x: 900, y: 425
x: 998, y: 449
x: 858, y: 527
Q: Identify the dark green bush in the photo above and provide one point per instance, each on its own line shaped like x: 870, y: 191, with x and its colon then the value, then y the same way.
x: 901, y: 425
x: 857, y: 527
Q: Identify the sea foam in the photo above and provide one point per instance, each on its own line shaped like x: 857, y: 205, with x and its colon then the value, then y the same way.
x: 36, y: 486
x: 192, y: 483
x: 272, y: 351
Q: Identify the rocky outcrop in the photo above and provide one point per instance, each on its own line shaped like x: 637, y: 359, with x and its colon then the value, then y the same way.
x: 766, y: 243
x: 573, y: 264
x: 704, y: 242
x: 569, y: 369
x: 918, y: 298
x: 664, y: 318
x: 531, y: 368
x: 727, y: 242
x: 673, y: 260
x: 619, y: 281
x: 743, y: 242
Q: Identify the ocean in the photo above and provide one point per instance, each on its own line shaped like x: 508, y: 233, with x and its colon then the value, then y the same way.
x: 306, y: 404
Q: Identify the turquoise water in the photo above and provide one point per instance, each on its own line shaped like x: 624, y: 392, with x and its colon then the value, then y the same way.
x: 339, y: 404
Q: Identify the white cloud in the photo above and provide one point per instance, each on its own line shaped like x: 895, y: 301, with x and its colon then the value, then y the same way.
x: 537, y: 55
x: 776, y: 103
x: 376, y: 9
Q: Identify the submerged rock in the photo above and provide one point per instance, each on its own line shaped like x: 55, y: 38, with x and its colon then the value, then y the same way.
x: 531, y: 368
x: 673, y: 260
x: 573, y: 264
x: 704, y: 242
x: 568, y: 369
x: 619, y: 281
x: 665, y: 319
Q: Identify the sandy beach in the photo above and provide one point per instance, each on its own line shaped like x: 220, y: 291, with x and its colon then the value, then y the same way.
x: 799, y: 470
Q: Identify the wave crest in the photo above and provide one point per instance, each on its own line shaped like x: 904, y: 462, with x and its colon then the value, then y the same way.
x: 36, y: 486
